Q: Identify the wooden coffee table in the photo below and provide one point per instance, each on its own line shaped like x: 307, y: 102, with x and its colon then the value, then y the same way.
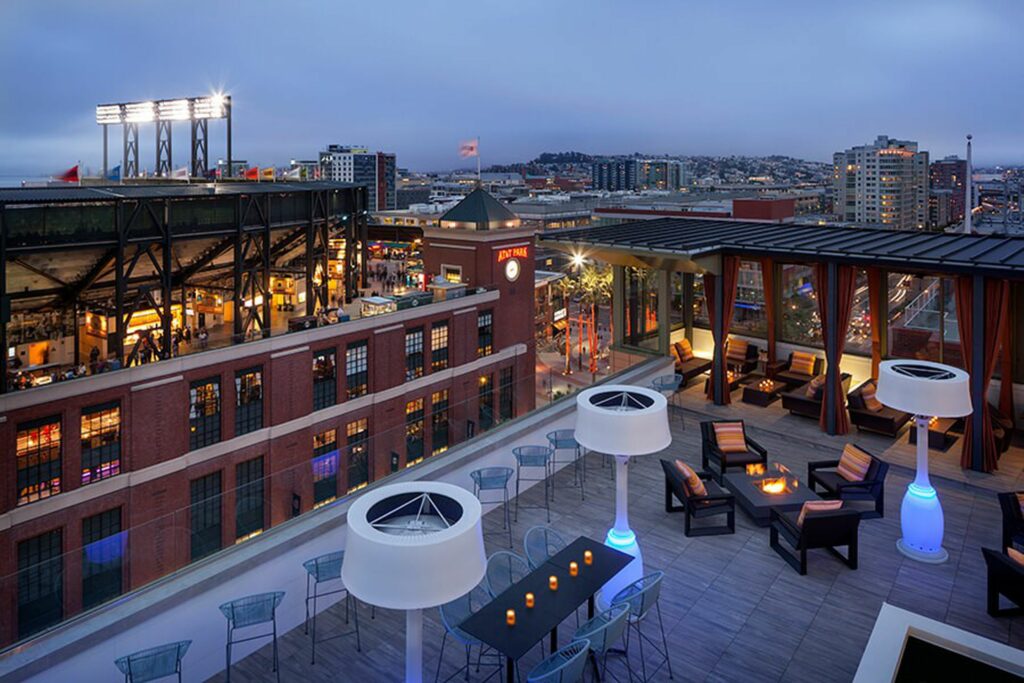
x: 762, y: 392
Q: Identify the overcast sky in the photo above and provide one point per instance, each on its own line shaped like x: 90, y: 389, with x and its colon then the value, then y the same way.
x: 730, y: 77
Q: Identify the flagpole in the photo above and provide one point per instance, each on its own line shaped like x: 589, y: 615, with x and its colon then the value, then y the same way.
x: 79, y: 172
x: 478, y: 160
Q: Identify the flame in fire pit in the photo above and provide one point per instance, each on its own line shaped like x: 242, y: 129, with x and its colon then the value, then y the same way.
x: 756, y: 468
x: 774, y: 485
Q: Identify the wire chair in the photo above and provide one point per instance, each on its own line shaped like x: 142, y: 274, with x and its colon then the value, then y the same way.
x: 642, y: 596
x: 603, y: 631
x: 453, y: 614
x: 493, y: 479
x: 564, y: 666
x: 319, y: 570
x: 504, y: 568
x: 156, y: 662
x: 535, y: 457
x: 565, y: 439
x: 252, y: 610
x: 540, y: 543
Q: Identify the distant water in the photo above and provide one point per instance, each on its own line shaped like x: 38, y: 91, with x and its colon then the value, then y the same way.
x: 16, y: 180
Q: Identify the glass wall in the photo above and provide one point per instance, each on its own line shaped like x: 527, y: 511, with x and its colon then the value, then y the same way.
x: 749, y: 316
x: 801, y: 323
x: 700, y: 304
x: 922, y: 320
x: 858, y: 334
x: 641, y: 307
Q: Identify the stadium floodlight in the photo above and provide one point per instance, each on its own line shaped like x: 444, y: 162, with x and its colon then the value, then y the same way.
x: 173, y: 110
x: 139, y: 112
x: 108, y: 114
x: 212, y: 107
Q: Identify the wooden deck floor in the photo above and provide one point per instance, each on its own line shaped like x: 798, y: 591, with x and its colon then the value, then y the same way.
x: 733, y: 609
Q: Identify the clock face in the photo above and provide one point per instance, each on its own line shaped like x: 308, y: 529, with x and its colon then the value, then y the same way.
x: 512, y: 269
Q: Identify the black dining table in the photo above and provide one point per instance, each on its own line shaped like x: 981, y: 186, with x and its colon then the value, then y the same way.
x: 489, y: 626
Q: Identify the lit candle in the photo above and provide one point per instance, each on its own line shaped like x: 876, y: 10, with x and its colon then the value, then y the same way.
x: 553, y: 582
x: 510, y: 617
x: 588, y: 557
x: 529, y: 600
x: 574, y: 569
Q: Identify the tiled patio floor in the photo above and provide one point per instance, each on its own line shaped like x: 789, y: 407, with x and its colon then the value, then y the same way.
x: 733, y: 609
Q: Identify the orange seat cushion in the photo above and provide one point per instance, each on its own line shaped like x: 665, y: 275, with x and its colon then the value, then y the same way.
x: 730, y: 437
x: 817, y: 506
x: 693, y: 483
x: 802, y: 363
x: 853, y: 464
x: 868, y: 393
x: 683, y: 349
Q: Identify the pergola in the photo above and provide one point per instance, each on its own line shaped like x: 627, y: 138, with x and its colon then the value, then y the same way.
x: 983, y: 266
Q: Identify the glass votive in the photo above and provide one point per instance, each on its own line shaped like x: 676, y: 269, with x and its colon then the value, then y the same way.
x: 574, y: 569
x: 510, y: 617
x: 530, y: 600
x: 553, y: 582
x: 588, y: 557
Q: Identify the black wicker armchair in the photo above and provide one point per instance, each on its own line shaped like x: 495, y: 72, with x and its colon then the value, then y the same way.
x: 715, y: 503
x: 711, y: 453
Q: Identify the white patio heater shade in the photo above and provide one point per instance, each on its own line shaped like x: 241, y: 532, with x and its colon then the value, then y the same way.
x: 413, y: 546
x: 624, y: 421
x: 926, y: 390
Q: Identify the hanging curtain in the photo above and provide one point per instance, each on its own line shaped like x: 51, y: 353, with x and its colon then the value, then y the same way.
x: 768, y: 283
x: 876, y: 290
x: 730, y: 275
x: 1006, y: 366
x: 996, y: 294
x: 845, y: 281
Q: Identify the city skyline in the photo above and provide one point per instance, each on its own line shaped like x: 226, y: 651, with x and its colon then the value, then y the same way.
x: 801, y: 80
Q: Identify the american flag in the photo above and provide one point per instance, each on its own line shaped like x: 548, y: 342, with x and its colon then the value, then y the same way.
x: 469, y: 148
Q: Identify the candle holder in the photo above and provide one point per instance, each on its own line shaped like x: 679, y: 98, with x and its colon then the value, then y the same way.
x: 530, y: 600
x: 588, y: 557
x: 553, y: 582
x: 574, y: 569
x: 510, y: 617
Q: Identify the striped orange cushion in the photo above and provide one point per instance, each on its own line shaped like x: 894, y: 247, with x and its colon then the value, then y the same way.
x: 1020, y: 499
x: 736, y: 350
x: 684, y: 350
x: 1016, y: 555
x: 853, y: 463
x: 870, y: 401
x: 693, y: 482
x: 817, y: 506
x: 730, y: 437
x: 802, y: 363
x: 815, y: 384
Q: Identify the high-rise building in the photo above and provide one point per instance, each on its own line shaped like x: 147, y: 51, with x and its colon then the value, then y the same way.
x: 659, y: 174
x: 375, y: 170
x: 614, y: 175
x: 883, y: 183
x: 951, y: 174
x: 940, y: 211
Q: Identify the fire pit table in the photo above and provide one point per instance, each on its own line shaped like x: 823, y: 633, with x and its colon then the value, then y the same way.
x: 759, y: 489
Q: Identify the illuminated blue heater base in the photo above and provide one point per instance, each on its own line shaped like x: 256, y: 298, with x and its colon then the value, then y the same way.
x: 923, y: 525
x: 621, y: 538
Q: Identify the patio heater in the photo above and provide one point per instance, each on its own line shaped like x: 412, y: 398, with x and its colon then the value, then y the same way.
x: 411, y: 547
x: 623, y: 421
x: 925, y: 390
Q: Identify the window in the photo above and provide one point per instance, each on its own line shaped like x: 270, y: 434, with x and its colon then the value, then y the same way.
x: 103, y: 546
x: 486, y: 396
x: 325, y: 385
x: 248, y: 499
x: 923, y: 319
x: 205, y: 515
x: 325, y: 467
x: 439, y: 422
x: 38, y: 454
x: 101, y: 442
x: 248, y: 400
x: 414, y: 354
x: 358, y: 454
x: 858, y: 334
x: 700, y: 304
x: 413, y: 432
x: 506, y: 407
x: 40, y: 583
x: 484, y: 334
x: 356, y: 364
x: 749, y: 316
x: 801, y: 323
x: 204, y: 413
x: 641, y: 297
x: 439, y: 346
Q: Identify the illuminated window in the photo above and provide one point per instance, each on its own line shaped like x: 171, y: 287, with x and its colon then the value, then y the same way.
x: 439, y: 346
x: 103, y: 546
x: 39, y: 462
x: 325, y: 385
x: 204, y: 413
x: 801, y: 322
x: 249, y: 499
x: 101, y: 442
x: 356, y: 369
x: 485, y: 334
x: 325, y: 467
x: 358, y: 435
x: 439, y: 422
x: 413, y: 432
x: 414, y: 353
x: 205, y: 515
x: 40, y: 583
x: 248, y: 400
